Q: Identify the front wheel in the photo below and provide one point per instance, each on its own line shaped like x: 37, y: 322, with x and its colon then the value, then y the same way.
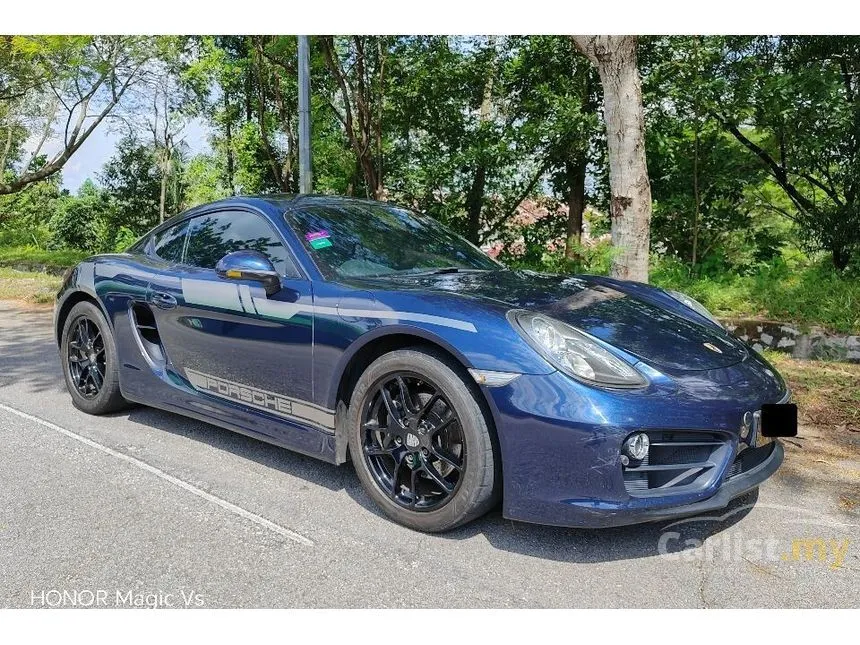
x: 90, y: 365
x: 420, y: 441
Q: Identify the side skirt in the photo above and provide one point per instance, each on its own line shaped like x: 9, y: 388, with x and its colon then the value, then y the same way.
x: 314, y: 443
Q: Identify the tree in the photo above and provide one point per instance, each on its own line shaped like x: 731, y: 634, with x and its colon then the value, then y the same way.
x: 707, y: 190
x: 246, y: 86
x: 555, y: 94
x: 457, y: 146
x: 630, y: 199
x: 85, y: 221
x: 203, y: 181
x: 165, y: 123
x: 133, y: 181
x: 794, y: 104
x: 24, y: 215
x: 58, y: 90
x: 358, y: 66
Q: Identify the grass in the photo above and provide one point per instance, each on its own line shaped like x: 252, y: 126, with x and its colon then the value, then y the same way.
x: 826, y: 450
x: 826, y: 393
x: 32, y: 256
x: 805, y: 294
x: 28, y: 286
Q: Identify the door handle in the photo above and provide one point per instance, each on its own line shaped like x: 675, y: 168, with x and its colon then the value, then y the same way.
x: 163, y: 300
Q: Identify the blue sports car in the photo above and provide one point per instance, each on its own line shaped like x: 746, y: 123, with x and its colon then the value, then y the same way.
x: 355, y: 330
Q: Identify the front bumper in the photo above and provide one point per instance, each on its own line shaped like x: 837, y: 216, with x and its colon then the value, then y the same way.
x: 729, y: 490
x: 561, y: 442
x: 601, y: 515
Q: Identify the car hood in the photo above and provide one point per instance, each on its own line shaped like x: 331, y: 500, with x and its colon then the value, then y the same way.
x: 648, y: 331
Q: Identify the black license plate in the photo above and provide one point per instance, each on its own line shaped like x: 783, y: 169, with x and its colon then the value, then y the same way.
x: 779, y: 420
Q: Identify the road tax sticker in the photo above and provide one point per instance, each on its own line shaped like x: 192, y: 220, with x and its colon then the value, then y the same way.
x: 318, y: 239
x: 320, y: 243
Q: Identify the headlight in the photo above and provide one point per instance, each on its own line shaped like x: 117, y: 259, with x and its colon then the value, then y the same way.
x: 693, y: 304
x: 575, y: 353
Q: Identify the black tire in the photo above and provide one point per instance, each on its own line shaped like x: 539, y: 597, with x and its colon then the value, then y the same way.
x: 477, y: 478
x: 105, y: 397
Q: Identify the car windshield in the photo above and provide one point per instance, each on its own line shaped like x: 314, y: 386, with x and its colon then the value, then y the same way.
x: 357, y: 239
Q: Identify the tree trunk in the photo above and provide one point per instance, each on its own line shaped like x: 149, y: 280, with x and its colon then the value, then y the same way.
x: 630, y: 202
x: 841, y: 257
x: 228, y: 134
x: 575, y: 172
x: 358, y: 118
x: 475, y: 196
x: 163, y: 196
x: 474, y: 202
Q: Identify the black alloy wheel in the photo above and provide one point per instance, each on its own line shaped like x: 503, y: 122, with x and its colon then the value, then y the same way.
x: 422, y: 441
x: 413, y: 441
x: 89, y: 360
x: 86, y: 358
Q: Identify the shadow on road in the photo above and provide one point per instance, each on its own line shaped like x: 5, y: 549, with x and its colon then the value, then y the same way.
x: 27, y: 347
x: 274, y: 457
x: 554, y: 543
x: 28, y: 356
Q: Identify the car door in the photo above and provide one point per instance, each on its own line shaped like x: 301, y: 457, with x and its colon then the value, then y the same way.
x: 139, y: 349
x: 233, y: 343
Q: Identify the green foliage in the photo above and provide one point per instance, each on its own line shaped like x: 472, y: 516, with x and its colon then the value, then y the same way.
x: 795, y: 290
x: 59, y: 89
x: 123, y: 239
x: 132, y: 179
x: 539, y: 244
x: 203, y: 181
x: 24, y: 215
x: 751, y: 144
x: 35, y: 256
x: 84, y: 222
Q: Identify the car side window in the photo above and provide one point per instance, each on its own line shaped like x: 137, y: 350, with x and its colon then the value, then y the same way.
x: 169, y: 243
x: 215, y: 235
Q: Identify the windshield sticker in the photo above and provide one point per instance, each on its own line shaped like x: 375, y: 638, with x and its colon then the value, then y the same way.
x: 316, y: 235
x: 320, y: 243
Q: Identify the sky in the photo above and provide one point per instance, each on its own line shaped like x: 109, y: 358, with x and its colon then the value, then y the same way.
x: 99, y: 147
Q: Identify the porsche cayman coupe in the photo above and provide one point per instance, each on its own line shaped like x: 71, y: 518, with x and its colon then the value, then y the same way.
x: 352, y: 330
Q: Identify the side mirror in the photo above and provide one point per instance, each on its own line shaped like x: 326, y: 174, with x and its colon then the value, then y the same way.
x: 249, y: 265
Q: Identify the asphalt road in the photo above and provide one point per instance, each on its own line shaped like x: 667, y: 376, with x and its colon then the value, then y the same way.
x: 146, y: 507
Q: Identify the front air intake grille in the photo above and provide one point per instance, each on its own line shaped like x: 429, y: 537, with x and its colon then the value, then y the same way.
x: 748, y: 459
x: 677, y: 462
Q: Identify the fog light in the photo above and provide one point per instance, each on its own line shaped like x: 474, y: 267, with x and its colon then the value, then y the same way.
x: 636, y: 446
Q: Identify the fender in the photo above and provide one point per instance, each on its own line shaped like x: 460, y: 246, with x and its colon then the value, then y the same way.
x: 376, y: 334
x: 80, y: 280
x: 341, y: 430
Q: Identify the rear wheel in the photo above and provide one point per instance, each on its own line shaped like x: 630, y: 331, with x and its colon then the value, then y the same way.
x: 420, y: 441
x: 89, y: 361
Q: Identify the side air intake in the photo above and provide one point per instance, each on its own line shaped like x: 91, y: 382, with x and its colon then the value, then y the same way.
x: 146, y: 334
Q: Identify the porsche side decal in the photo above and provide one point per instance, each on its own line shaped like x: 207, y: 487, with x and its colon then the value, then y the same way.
x: 240, y: 297
x: 277, y: 404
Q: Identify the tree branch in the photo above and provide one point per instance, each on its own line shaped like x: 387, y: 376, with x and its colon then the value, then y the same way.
x: 80, y: 134
x: 776, y: 170
x: 48, y: 123
x: 6, y: 148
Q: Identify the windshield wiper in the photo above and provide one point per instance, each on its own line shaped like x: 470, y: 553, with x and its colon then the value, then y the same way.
x: 440, y: 270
